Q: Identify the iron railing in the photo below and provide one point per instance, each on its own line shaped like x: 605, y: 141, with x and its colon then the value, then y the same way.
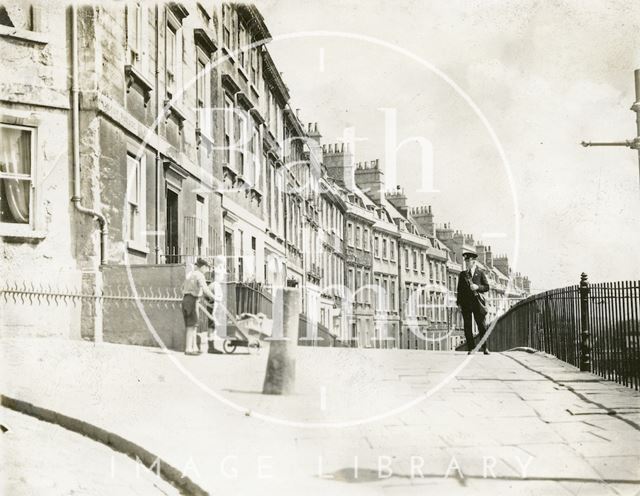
x: 198, y: 240
x: 595, y: 327
x: 614, y: 317
x: 240, y: 298
x: 252, y: 298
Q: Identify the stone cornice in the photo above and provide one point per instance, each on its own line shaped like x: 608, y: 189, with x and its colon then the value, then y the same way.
x: 292, y: 118
x: 274, y: 79
x: 254, y: 22
x: 204, y: 39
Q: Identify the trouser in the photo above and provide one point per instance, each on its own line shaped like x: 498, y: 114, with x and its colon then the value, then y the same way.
x: 191, y: 345
x: 479, y: 317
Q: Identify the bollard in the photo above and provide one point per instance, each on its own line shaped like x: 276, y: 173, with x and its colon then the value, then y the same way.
x: 585, y: 341
x: 281, y: 365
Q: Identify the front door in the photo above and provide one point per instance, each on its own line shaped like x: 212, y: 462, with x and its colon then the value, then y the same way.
x: 172, y: 236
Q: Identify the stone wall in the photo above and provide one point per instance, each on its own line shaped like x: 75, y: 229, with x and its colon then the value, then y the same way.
x: 34, y: 93
x: 136, y: 322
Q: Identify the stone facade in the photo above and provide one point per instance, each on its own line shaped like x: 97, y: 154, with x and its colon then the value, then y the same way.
x: 40, y: 232
x: 164, y: 132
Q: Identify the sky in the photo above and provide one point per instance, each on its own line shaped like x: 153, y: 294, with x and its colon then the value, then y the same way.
x: 499, y: 95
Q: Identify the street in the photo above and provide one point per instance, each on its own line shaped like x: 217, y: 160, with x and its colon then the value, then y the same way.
x: 364, y: 421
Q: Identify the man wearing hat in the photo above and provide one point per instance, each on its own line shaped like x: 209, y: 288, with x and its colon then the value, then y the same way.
x: 472, y: 282
x: 194, y: 285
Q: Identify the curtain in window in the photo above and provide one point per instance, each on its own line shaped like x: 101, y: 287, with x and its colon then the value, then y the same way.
x: 15, y: 159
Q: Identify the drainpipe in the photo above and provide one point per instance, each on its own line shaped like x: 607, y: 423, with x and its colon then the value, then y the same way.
x: 158, y: 160
x: 75, y: 119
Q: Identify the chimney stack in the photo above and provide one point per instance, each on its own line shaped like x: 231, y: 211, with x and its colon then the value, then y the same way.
x: 340, y: 165
x: 370, y: 179
x: 398, y: 199
x: 315, y: 140
x: 423, y: 216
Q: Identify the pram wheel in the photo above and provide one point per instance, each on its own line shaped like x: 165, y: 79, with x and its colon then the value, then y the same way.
x: 229, y: 346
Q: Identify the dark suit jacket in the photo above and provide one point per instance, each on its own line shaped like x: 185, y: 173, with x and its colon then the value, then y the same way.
x: 467, y: 298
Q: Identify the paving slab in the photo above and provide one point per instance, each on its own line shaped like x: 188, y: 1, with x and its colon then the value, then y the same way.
x: 352, y: 408
x: 43, y: 458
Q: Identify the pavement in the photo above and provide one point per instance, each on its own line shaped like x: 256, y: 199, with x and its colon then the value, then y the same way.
x: 41, y: 458
x: 388, y: 422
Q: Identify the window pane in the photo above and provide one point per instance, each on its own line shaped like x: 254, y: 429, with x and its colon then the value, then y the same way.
x: 133, y: 180
x: 15, y: 170
x: 200, y: 80
x: 15, y: 151
x: 15, y: 196
x: 133, y: 215
x: 171, y: 52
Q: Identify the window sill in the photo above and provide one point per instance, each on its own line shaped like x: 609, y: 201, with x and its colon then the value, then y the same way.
x: 243, y: 73
x: 172, y: 109
x: 203, y: 136
x: 25, y: 35
x: 254, y: 89
x: 204, y: 39
x: 138, y: 247
x: 227, y: 52
x: 133, y: 76
x: 21, y: 233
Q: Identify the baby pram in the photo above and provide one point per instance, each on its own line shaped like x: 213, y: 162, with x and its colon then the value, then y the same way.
x: 245, y: 330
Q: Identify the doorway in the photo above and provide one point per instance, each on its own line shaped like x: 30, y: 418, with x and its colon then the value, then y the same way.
x: 228, y: 252
x: 172, y: 235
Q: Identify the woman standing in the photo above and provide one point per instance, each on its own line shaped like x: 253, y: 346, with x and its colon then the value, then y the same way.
x: 194, y: 285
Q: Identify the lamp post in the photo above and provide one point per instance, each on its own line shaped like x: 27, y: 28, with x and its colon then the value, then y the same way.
x: 634, y: 143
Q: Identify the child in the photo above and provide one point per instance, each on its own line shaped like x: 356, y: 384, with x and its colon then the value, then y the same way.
x: 194, y: 285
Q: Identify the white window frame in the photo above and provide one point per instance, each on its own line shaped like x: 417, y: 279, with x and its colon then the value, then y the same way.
x: 35, y: 227
x: 203, y: 84
x: 239, y: 142
x: 173, y: 89
x: 254, y: 66
x: 243, y: 53
x: 227, y: 132
x: 227, y: 31
x: 202, y: 224
x: 134, y: 41
x: 135, y: 236
x: 255, y: 152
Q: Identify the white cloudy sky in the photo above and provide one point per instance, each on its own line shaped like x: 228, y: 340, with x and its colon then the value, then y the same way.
x: 546, y: 74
